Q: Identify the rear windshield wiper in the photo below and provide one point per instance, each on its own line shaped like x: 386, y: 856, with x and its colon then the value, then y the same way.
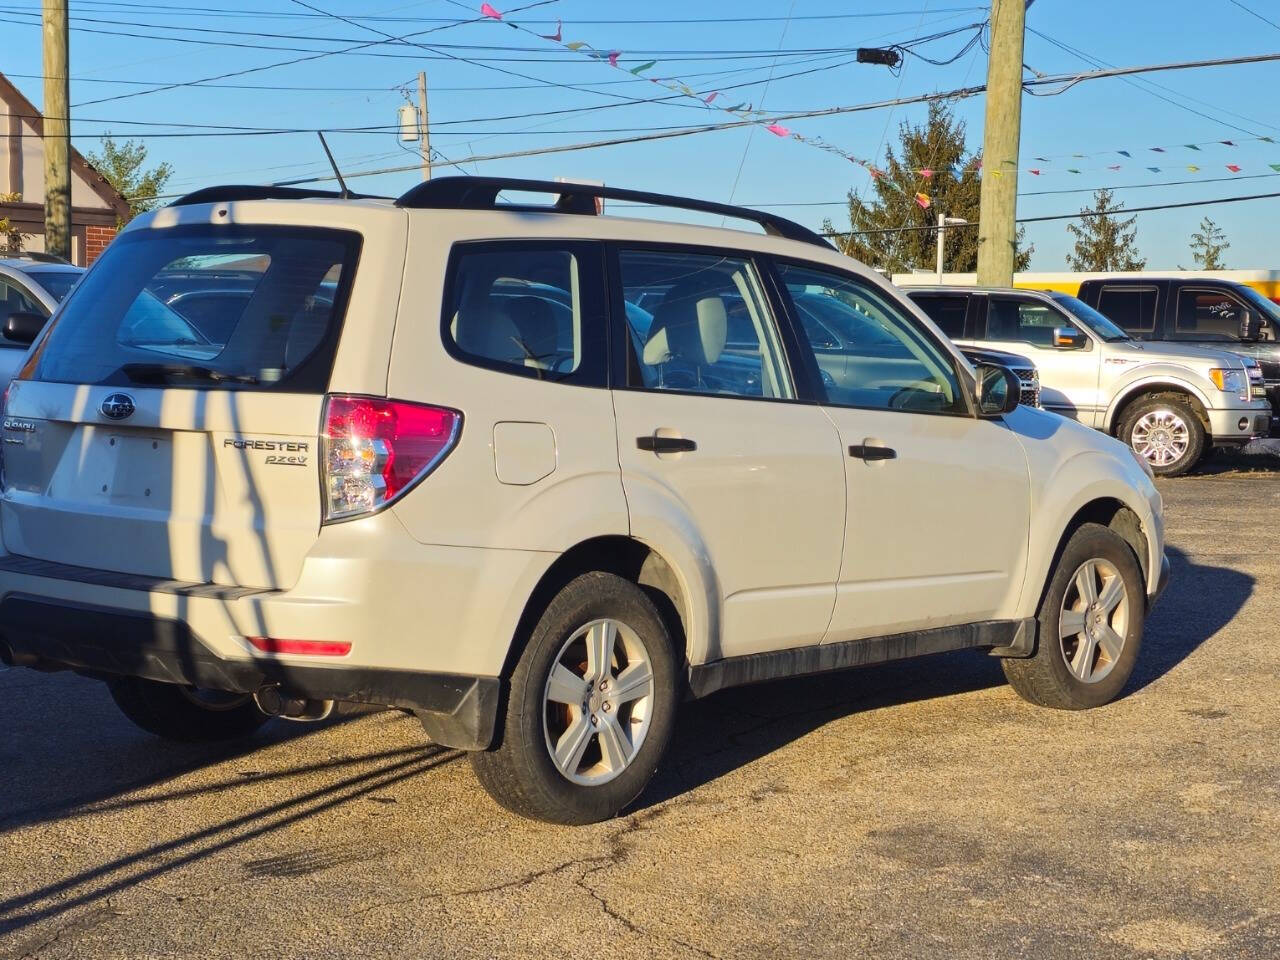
x: 164, y: 372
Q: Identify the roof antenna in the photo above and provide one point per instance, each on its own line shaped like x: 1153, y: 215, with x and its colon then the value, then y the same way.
x: 346, y: 194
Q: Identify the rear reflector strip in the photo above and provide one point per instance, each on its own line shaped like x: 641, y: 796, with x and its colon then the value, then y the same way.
x: 314, y: 648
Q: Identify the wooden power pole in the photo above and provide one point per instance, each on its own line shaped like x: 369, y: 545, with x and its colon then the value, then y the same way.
x: 56, y: 135
x: 424, y: 131
x: 997, y: 230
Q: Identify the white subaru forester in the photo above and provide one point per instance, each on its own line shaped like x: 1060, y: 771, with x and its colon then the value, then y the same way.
x: 535, y: 474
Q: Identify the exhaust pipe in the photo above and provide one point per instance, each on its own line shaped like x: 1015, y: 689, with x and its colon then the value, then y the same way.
x: 274, y: 702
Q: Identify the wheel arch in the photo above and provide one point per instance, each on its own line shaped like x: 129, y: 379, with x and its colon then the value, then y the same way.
x: 626, y: 557
x: 1135, y: 392
x: 1108, y: 512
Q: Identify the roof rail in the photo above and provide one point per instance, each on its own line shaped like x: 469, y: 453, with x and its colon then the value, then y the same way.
x: 481, y: 193
x: 233, y: 192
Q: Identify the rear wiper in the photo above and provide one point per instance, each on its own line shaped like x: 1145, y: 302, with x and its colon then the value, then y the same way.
x: 163, y: 372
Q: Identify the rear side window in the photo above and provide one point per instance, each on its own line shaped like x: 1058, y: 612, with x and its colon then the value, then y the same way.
x: 1132, y: 309
x: 947, y: 312
x: 236, y: 306
x: 531, y: 309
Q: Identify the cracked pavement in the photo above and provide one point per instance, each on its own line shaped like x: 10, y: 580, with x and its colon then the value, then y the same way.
x: 909, y: 809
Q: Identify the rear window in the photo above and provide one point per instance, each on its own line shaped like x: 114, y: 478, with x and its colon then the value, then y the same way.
x: 947, y: 312
x: 1133, y: 309
x: 57, y: 282
x: 238, y: 306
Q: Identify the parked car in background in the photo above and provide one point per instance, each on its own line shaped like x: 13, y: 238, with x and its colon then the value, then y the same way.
x: 1198, y: 311
x: 1172, y: 403
x: 31, y: 286
x: 440, y: 458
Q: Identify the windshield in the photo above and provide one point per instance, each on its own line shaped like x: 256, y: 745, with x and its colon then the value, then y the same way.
x: 1090, y: 317
x: 57, y: 282
x: 253, y: 306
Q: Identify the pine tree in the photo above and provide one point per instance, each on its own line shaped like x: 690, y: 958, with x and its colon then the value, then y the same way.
x: 1207, y: 246
x: 1104, y: 242
x: 123, y: 167
x: 953, y: 188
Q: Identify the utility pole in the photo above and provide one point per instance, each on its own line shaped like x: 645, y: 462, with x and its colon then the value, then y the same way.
x: 997, y: 232
x: 56, y: 131
x: 424, y: 131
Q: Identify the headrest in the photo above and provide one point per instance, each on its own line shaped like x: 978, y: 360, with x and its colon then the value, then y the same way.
x: 487, y: 330
x: 694, y: 330
x: 535, y: 318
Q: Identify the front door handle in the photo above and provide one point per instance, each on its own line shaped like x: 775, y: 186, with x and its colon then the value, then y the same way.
x: 866, y: 452
x: 655, y: 444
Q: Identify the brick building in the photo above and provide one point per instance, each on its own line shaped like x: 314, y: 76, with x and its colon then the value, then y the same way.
x: 96, y: 206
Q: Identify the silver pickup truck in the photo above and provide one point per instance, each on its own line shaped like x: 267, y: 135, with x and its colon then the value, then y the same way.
x: 1172, y: 403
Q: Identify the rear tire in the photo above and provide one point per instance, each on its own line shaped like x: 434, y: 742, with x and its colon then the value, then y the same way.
x: 1090, y: 625
x: 185, y: 714
x: 1165, y: 431
x: 591, y: 707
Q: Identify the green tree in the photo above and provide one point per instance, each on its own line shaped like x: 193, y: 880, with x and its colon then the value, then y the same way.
x: 10, y: 236
x: 124, y: 167
x: 1207, y: 246
x: 1104, y: 241
x: 953, y: 188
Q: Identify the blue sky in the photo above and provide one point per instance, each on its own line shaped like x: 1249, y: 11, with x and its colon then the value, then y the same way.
x: 1096, y: 118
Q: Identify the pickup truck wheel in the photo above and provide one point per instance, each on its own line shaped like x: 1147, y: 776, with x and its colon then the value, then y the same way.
x: 1166, y: 432
x: 591, y: 706
x: 186, y: 714
x: 1090, y: 625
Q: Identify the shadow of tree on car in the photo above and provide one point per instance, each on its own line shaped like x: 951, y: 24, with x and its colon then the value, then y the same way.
x: 736, y: 727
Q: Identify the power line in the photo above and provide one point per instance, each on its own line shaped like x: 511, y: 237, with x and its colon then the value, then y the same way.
x: 1081, y: 215
x: 1256, y: 14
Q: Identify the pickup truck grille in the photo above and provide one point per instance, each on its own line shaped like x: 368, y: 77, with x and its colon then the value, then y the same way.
x: 1030, y: 381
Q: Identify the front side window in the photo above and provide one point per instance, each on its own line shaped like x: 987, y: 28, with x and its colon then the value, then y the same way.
x: 1132, y: 309
x: 1022, y: 321
x: 884, y: 361
x: 704, y: 326
x: 270, y: 311
x: 947, y: 312
x: 521, y: 309
x: 1209, y: 315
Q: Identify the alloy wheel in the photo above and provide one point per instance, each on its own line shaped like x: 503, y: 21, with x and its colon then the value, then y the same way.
x: 1094, y: 620
x: 1161, y: 437
x: 597, y: 702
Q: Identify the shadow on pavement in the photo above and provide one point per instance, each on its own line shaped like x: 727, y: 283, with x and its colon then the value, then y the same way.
x: 736, y: 727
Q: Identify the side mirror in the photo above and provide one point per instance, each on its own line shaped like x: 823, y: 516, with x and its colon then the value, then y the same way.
x: 999, y: 390
x: 1250, y: 326
x: 23, y: 326
x: 1069, y: 338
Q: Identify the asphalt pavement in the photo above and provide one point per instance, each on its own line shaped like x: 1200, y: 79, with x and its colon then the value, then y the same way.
x: 912, y: 809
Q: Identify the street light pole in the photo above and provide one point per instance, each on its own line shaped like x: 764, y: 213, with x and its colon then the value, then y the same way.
x: 943, y: 222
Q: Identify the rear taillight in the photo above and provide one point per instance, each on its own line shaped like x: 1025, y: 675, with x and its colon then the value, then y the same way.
x: 374, y: 450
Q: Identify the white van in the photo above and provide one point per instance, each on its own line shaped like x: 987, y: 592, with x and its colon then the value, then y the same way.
x: 432, y: 453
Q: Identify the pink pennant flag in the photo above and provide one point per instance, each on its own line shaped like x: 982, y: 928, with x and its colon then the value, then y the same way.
x: 712, y: 97
x: 926, y: 173
x: 553, y: 36
x: 1234, y: 168
x: 1034, y: 172
x: 923, y: 200
x: 1114, y: 166
x: 488, y: 11
x: 778, y: 130
x: 613, y: 57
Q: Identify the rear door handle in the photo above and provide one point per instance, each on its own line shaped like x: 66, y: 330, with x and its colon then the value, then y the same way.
x: 656, y: 444
x: 864, y: 452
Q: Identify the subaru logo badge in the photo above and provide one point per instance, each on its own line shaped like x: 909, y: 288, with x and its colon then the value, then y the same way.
x: 118, y: 406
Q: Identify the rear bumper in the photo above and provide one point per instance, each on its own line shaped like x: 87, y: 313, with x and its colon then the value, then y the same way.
x: 457, y: 710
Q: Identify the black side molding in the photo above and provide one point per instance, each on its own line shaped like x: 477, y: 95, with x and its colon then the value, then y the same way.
x: 1007, y: 638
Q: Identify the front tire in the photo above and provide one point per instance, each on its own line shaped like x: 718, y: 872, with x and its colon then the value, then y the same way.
x: 1166, y: 432
x: 186, y: 714
x: 591, y: 707
x: 1090, y: 625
